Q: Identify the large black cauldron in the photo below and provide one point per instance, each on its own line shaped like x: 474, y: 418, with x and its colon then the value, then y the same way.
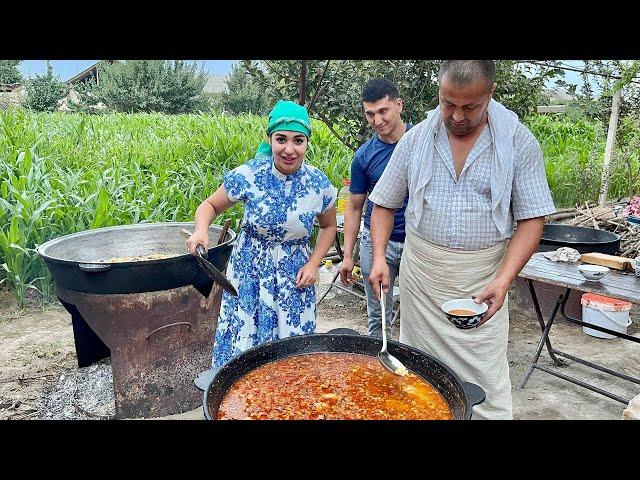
x: 460, y: 396
x: 73, y: 259
x: 583, y: 239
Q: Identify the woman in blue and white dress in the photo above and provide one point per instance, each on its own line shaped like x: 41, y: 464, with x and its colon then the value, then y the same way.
x: 272, y: 265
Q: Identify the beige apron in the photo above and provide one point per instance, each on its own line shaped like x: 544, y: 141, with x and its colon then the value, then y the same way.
x: 429, y: 276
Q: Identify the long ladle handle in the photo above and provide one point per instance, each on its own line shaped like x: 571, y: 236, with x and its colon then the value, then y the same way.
x: 225, y: 229
x: 384, y: 320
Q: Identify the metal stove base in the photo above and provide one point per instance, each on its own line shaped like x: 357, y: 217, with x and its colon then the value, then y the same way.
x: 158, y: 343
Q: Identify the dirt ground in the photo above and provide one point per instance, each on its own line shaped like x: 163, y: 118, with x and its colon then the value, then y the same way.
x: 36, y: 348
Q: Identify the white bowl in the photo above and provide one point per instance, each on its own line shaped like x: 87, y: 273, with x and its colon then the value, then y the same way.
x: 465, y: 321
x: 593, y: 273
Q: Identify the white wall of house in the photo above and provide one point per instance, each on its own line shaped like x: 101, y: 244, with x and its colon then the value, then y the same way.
x: 13, y: 98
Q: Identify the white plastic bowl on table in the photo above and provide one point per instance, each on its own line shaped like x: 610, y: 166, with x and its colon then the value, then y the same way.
x: 593, y: 273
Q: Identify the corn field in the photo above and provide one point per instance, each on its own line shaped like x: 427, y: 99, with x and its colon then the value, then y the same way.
x: 574, y: 154
x: 64, y: 173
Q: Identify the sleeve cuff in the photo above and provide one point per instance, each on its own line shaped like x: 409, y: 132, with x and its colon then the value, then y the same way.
x: 386, y: 204
x: 527, y: 214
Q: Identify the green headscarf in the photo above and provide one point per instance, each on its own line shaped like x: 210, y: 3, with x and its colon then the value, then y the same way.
x: 264, y: 150
x: 289, y: 116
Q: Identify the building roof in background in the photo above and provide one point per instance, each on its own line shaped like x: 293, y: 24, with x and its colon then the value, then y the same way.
x: 215, y: 83
x: 559, y: 95
x: 558, y: 99
x: 87, y: 72
x: 9, y: 87
x: 552, y: 109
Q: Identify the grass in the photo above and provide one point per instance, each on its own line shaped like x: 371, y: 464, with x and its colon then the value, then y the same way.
x: 64, y: 173
x: 574, y: 153
x: 46, y: 350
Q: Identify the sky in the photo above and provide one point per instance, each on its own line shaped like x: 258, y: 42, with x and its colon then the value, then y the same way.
x: 66, y: 69
x: 573, y: 78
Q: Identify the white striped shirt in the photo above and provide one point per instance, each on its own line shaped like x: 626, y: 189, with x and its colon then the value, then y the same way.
x: 457, y: 213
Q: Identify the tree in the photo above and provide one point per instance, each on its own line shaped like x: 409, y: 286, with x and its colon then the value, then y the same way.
x: 332, y: 88
x: 86, y: 98
x: 614, y: 76
x: 244, y: 95
x: 149, y: 86
x: 9, y: 72
x: 520, y: 85
x: 600, y: 80
x: 45, y: 91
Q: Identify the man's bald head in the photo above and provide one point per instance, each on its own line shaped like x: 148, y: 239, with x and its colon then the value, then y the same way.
x: 463, y: 73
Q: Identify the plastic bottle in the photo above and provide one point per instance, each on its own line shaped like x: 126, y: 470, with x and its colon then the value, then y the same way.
x: 341, y: 203
x: 343, y: 197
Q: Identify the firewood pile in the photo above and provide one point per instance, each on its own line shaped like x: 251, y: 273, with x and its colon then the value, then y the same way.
x: 608, y: 217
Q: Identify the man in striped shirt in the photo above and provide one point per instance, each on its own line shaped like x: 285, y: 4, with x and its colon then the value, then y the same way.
x: 471, y: 170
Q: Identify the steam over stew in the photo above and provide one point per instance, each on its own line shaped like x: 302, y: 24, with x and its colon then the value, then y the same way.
x: 332, y: 386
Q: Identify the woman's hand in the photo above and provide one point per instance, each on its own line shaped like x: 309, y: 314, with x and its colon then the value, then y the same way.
x: 206, y: 212
x: 306, y: 275
x: 198, y: 238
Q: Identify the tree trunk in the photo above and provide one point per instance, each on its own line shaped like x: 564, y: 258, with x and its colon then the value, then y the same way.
x: 608, y: 151
x: 302, y: 88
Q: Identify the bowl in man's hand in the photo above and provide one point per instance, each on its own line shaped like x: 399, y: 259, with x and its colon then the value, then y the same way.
x: 464, y: 313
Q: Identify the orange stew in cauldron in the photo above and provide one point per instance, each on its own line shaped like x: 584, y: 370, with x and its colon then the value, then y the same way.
x: 331, y: 386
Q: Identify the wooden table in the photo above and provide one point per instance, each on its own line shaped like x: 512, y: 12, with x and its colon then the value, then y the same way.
x: 620, y: 285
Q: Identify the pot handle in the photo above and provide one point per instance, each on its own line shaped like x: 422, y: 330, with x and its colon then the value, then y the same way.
x: 167, y: 326
x: 475, y: 393
x: 94, y: 267
x: 613, y: 319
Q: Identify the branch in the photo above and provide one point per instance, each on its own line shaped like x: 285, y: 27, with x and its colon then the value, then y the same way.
x: 315, y: 94
x: 590, y: 72
x: 265, y: 83
x: 280, y: 74
x: 329, y: 125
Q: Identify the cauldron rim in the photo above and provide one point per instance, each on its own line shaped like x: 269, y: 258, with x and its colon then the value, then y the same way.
x: 42, y: 249
x: 472, y: 394
x: 613, y: 237
x: 74, y: 265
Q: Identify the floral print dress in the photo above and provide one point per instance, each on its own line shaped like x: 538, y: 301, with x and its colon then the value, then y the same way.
x: 273, y: 245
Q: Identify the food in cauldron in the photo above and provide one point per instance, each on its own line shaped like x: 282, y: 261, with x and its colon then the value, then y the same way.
x: 331, y: 386
x: 154, y: 256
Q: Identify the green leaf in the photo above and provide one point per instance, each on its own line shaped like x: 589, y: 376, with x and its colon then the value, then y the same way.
x: 101, y: 210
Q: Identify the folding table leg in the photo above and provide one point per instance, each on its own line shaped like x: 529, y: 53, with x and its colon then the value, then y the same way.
x: 544, y: 339
x: 562, y: 300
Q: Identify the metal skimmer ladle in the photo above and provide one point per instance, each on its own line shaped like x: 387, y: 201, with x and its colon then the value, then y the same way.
x: 215, y: 274
x: 388, y: 361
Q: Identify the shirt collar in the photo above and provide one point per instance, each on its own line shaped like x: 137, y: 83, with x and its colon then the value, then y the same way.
x: 283, y: 177
x: 440, y: 133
